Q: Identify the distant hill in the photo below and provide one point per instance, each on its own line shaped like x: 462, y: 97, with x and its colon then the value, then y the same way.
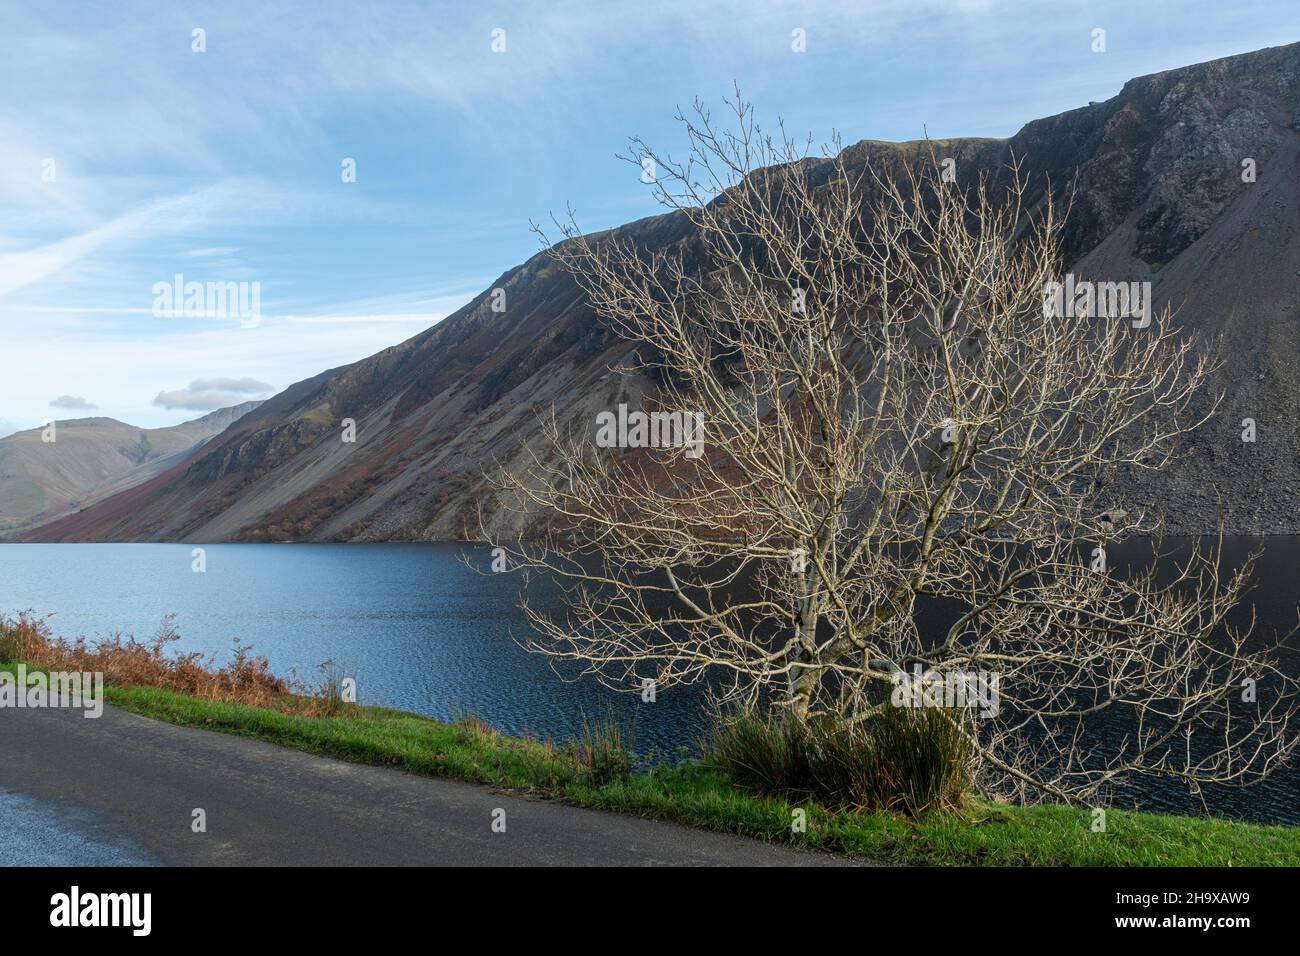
x: 92, y: 459
x: 1161, y: 198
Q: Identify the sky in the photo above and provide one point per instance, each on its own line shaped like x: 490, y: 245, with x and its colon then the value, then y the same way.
x: 134, y: 150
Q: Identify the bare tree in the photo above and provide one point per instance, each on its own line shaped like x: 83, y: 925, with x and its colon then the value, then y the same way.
x: 892, y: 421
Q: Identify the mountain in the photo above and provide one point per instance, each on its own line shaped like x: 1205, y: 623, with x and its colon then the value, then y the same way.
x: 1160, y: 198
x: 91, y: 459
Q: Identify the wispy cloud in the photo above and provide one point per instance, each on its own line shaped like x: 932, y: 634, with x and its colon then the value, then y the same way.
x: 151, y: 220
x: 19, y: 269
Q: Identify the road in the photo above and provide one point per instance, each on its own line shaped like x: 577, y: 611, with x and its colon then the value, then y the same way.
x: 123, y: 789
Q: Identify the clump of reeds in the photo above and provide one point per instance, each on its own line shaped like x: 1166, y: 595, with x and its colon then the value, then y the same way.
x: 605, y: 752
x: 900, y: 759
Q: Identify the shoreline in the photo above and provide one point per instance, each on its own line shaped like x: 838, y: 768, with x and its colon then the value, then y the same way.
x: 690, y: 793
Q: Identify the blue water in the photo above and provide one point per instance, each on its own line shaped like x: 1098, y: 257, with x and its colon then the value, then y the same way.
x: 422, y: 630
x: 418, y: 627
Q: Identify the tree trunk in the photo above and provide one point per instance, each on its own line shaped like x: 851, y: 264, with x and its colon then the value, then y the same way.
x: 803, y: 681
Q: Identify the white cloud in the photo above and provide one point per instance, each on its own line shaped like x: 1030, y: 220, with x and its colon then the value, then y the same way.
x: 206, y: 394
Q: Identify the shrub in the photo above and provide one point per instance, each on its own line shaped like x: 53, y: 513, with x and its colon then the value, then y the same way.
x: 126, y: 662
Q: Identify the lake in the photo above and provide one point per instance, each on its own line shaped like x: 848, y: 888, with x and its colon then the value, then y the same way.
x: 417, y: 627
x: 422, y: 630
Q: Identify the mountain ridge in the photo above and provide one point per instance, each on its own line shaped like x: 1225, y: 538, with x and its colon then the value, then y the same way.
x: 91, y: 459
x: 1159, y: 197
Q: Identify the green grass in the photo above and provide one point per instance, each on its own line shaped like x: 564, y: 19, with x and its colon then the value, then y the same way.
x: 985, y: 833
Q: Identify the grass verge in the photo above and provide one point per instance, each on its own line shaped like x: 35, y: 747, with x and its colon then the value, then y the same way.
x: 983, y: 834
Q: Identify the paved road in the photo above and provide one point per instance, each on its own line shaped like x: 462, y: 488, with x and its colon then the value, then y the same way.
x: 123, y: 788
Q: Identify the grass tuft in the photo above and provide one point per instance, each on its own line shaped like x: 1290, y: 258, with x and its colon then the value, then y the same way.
x: 907, y: 760
x: 605, y: 753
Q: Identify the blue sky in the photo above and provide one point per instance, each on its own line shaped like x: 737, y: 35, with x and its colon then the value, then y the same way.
x: 225, y: 165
